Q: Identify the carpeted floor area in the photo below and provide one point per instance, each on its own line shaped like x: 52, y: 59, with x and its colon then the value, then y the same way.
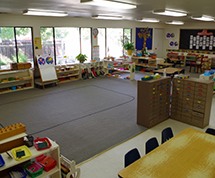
x: 84, y: 117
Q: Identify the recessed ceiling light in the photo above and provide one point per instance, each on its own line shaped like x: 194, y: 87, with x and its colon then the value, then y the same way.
x: 152, y: 20
x: 107, y: 17
x: 175, y: 22
x: 111, y: 4
x: 168, y: 12
x: 203, y: 18
x: 41, y: 12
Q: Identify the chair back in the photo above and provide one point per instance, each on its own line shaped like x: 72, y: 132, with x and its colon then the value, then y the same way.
x: 210, y: 131
x: 166, y: 134
x: 151, y: 144
x: 131, y: 156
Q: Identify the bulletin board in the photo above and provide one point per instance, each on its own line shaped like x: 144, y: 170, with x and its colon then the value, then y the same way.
x: 197, y: 39
x: 47, y: 68
x: 144, y: 34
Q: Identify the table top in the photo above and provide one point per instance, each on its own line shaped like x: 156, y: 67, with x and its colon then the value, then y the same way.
x: 191, y: 153
x: 170, y: 70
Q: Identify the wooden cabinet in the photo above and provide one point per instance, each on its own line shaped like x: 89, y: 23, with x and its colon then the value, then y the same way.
x: 53, y: 151
x: 191, y: 101
x: 153, y: 101
x: 16, y: 80
x: 67, y: 73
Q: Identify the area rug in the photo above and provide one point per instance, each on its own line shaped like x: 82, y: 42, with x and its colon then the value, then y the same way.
x: 84, y: 120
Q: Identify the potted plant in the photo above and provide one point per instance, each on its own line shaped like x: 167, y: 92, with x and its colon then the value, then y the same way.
x: 129, y: 47
x: 81, y: 58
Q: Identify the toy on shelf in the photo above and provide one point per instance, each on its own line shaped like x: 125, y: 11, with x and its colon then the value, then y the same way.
x: 12, y: 130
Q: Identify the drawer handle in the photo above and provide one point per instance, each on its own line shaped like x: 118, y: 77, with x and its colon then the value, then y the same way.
x: 153, y: 93
x: 153, y: 88
x: 198, y: 102
x: 178, y: 89
x: 160, y: 94
x: 187, y: 99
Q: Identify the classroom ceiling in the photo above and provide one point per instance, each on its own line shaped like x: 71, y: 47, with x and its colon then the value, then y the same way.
x: 144, y: 8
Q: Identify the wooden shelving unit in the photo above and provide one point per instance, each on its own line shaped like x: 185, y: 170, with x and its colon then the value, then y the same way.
x: 53, y: 151
x: 66, y: 73
x: 116, y: 67
x: 16, y: 80
x: 144, y: 63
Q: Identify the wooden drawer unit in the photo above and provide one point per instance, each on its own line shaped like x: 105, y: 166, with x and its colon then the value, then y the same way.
x: 153, y: 101
x: 196, y: 96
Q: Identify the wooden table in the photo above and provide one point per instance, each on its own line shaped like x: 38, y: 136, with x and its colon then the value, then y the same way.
x: 170, y: 71
x: 191, y: 154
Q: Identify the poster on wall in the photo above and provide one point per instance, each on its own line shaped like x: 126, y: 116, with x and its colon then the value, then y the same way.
x: 172, y: 42
x: 144, y: 38
x: 197, y: 39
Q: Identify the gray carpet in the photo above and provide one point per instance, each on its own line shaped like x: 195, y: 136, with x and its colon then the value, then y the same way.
x: 84, y: 117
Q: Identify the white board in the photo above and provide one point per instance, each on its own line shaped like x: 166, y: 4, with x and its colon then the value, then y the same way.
x: 48, y: 74
x: 47, y: 68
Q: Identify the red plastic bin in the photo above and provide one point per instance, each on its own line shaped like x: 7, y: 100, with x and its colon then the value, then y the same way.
x: 48, y: 163
x: 42, y: 143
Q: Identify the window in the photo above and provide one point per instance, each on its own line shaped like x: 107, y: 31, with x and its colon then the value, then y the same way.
x: 7, y: 47
x: 101, y: 43
x: 67, y: 44
x: 24, y: 45
x: 86, y: 44
x: 47, y: 39
x: 15, y: 46
x: 115, y: 39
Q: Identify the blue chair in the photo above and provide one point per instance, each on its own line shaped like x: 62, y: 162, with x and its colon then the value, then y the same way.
x: 210, y: 131
x: 151, y: 144
x: 166, y: 134
x: 131, y: 156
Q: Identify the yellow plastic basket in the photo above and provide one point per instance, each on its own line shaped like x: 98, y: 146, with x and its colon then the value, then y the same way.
x: 21, y: 153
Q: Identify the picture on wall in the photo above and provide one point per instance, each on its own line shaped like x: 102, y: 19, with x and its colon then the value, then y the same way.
x: 201, y: 39
x: 144, y: 38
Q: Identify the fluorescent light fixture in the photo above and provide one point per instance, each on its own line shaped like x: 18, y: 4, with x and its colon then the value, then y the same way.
x: 110, y: 4
x: 175, y: 22
x: 168, y: 12
x: 107, y: 17
x: 151, y: 20
x: 40, y: 12
x: 203, y: 18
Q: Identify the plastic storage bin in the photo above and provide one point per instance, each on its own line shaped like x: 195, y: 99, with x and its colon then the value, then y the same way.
x: 34, y: 169
x: 42, y: 143
x: 20, y: 153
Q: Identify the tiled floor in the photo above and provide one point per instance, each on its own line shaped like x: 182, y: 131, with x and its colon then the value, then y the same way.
x: 109, y: 163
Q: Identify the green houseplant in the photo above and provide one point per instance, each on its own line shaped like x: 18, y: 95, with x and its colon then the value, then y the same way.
x: 129, y: 47
x: 81, y: 58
